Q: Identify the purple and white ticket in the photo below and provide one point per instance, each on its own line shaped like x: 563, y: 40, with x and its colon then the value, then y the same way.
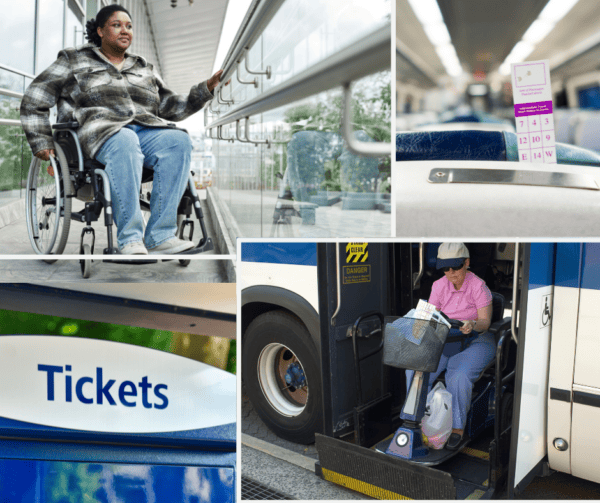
x: 532, y: 96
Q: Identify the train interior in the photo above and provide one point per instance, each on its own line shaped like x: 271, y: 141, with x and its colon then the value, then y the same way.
x: 453, y: 64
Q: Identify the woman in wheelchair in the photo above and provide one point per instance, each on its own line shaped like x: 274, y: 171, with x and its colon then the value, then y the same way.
x: 461, y: 295
x: 121, y: 104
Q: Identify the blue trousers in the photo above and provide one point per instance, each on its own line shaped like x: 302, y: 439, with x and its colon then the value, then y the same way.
x: 462, y: 368
x: 168, y: 153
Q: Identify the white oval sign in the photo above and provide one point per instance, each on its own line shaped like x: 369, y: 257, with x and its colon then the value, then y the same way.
x: 93, y: 385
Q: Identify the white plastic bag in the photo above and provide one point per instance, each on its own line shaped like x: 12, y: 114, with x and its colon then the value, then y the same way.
x: 437, y: 421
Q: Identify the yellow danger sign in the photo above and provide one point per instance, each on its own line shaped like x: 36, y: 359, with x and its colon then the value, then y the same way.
x: 357, y: 252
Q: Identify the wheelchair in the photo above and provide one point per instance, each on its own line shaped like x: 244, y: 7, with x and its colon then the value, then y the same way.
x: 49, y: 203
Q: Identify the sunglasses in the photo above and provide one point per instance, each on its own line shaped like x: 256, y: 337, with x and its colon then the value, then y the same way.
x: 446, y: 269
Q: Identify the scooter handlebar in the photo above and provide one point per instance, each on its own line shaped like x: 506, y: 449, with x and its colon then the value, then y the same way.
x: 453, y: 323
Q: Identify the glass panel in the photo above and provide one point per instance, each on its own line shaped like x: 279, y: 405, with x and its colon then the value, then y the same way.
x: 17, y: 35
x: 74, y: 30
x: 91, y: 8
x: 50, y: 32
x: 305, y: 32
x: 14, y: 153
x: 307, y: 184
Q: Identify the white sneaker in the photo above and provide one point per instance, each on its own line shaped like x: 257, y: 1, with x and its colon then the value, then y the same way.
x: 173, y: 245
x: 136, y: 248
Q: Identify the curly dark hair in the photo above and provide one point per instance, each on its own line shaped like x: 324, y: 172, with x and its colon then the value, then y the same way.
x: 91, y: 27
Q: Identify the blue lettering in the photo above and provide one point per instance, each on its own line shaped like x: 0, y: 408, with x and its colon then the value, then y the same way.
x: 165, y: 400
x: 68, y: 385
x: 145, y: 385
x: 103, y: 390
x: 126, y: 388
x: 51, y: 369
x: 123, y: 393
x: 79, y: 390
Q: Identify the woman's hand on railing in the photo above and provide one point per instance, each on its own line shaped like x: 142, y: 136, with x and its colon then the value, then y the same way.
x: 215, y: 80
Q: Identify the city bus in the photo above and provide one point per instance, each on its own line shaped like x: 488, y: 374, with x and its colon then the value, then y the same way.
x: 312, y: 323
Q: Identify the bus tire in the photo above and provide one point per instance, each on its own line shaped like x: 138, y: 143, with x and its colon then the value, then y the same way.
x: 277, y: 344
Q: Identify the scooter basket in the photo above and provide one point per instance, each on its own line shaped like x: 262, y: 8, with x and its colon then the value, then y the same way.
x: 415, y: 344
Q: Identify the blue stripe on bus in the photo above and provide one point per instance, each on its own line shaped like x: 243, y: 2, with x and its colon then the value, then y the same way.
x: 568, y: 262
x: 541, y: 265
x: 280, y: 253
x: 590, y: 275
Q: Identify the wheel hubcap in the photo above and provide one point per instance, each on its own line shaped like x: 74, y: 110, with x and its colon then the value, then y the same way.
x: 282, y: 379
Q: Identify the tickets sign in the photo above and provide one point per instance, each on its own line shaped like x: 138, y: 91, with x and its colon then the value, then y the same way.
x: 102, y: 386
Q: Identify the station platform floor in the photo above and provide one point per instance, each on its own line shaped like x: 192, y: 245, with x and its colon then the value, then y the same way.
x: 15, y: 249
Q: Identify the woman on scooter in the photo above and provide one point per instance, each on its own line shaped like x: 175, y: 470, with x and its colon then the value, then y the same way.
x: 461, y: 295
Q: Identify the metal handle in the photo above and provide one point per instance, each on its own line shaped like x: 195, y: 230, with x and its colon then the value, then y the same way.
x: 357, y: 358
x: 220, y: 134
x: 363, y: 148
x: 339, y: 286
x: 421, y: 264
x: 212, y: 110
x: 267, y: 72
x: 266, y: 142
x: 513, y: 320
x: 237, y: 74
x: 237, y: 133
x: 222, y: 100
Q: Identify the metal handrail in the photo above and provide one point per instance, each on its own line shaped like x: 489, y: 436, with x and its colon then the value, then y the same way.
x: 357, y: 147
x: 11, y: 94
x: 259, y: 15
x: 339, y: 284
x: 18, y: 72
x: 421, y: 265
x: 9, y: 122
x: 368, y: 55
x: 513, y: 320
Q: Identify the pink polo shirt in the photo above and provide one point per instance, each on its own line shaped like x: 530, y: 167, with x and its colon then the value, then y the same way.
x: 461, y: 304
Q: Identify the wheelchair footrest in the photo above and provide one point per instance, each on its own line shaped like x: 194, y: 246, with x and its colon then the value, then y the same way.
x: 208, y: 246
x: 132, y: 262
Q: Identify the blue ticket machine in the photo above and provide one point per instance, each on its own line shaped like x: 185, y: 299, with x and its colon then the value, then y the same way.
x: 85, y: 420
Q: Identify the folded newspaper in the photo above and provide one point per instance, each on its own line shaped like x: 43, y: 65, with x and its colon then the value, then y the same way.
x: 427, y: 311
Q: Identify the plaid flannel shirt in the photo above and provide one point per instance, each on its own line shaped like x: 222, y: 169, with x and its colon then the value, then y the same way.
x: 91, y: 90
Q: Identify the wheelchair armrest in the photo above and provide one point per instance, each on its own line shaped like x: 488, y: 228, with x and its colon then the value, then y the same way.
x: 499, y: 325
x: 65, y: 125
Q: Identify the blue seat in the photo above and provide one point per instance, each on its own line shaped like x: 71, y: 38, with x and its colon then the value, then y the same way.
x: 478, y: 146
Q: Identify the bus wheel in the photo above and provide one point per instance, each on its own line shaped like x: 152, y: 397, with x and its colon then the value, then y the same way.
x: 281, y: 374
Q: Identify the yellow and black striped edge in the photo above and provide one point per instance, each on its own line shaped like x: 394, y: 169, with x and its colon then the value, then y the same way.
x: 360, y: 486
x: 379, y: 475
x: 476, y: 453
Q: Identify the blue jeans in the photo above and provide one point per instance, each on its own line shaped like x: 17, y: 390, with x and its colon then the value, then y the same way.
x: 168, y: 153
x: 462, y: 368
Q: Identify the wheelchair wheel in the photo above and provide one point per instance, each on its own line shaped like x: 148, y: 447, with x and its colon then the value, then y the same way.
x: 86, y: 264
x: 48, y: 207
x: 180, y: 219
